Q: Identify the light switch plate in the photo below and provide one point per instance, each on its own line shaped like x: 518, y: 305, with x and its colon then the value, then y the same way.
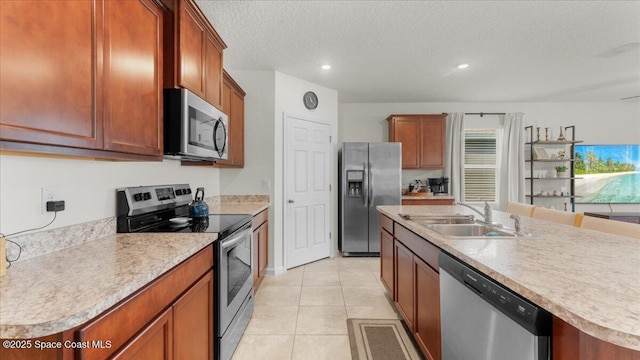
x: 266, y: 184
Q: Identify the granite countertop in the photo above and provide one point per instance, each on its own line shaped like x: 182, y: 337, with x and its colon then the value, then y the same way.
x: 586, y: 278
x: 84, y: 276
x: 252, y: 209
x: 63, y: 289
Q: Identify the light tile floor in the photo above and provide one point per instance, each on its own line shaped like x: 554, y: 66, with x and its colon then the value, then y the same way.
x: 302, y: 314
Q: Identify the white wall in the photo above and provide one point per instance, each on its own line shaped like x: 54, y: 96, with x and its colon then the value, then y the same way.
x: 258, y: 136
x: 596, y: 123
x: 88, y: 187
x: 269, y: 96
x: 289, y: 92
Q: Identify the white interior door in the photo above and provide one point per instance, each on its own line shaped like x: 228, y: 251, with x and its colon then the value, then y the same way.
x: 307, y: 193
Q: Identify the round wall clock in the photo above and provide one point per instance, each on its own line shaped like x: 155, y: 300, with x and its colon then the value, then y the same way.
x: 310, y: 100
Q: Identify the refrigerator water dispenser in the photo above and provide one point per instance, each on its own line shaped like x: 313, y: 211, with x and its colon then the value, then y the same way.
x: 354, y: 182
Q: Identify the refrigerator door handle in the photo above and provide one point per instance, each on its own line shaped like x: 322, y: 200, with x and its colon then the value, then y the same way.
x: 365, y: 191
x: 370, y: 192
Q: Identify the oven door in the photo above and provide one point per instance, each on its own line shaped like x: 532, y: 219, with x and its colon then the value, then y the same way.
x: 234, y: 274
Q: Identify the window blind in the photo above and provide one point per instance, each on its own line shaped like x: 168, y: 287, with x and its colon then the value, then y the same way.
x: 480, y: 165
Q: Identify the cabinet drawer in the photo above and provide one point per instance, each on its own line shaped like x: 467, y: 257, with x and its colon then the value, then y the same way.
x: 386, y: 224
x: 421, y: 247
x: 123, y: 321
x: 259, y: 219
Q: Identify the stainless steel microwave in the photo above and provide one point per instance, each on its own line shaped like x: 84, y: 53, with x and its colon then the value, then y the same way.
x: 193, y: 128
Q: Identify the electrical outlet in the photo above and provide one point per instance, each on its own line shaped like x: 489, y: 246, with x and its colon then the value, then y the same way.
x: 266, y: 184
x: 48, y: 194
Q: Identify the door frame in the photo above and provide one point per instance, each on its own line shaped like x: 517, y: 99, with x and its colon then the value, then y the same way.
x: 287, y: 118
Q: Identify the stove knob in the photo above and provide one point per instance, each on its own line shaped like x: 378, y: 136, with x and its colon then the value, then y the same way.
x: 137, y: 197
x: 188, y: 190
x: 179, y: 192
x: 146, y: 196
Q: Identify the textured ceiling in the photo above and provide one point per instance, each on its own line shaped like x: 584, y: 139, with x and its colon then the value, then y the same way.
x: 406, y: 51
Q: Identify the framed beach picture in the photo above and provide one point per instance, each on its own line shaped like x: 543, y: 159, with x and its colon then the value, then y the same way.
x: 540, y: 153
x: 609, y: 174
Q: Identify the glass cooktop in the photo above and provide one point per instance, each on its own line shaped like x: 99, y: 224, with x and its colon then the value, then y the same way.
x: 221, y: 224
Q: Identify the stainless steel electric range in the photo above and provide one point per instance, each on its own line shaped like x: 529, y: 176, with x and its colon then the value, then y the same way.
x: 165, y: 209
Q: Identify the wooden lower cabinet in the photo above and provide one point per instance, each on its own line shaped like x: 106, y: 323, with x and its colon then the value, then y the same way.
x: 260, y: 246
x: 427, y: 318
x: 154, y: 342
x: 386, y: 262
x: 569, y: 343
x: 193, y: 321
x: 418, y: 299
x: 404, y: 283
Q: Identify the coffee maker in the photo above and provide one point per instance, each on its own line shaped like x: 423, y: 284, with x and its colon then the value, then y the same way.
x: 439, y: 186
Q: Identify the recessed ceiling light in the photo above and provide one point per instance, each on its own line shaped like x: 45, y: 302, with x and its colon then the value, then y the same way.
x: 463, y: 66
x: 326, y: 67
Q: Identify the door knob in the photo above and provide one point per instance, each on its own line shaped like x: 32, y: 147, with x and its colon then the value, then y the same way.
x: 291, y: 201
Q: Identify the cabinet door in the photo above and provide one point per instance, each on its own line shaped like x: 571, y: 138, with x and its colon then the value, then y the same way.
x: 427, y: 330
x: 386, y: 261
x: 133, y: 77
x: 404, y: 283
x: 407, y: 132
x: 193, y: 321
x: 154, y: 342
x: 263, y: 257
x: 256, y: 257
x: 213, y: 72
x: 49, y: 82
x: 236, y: 135
x: 432, y: 133
x: 233, y: 106
x: 191, y: 41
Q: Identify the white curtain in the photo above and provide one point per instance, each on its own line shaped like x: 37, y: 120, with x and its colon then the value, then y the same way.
x: 512, y: 176
x: 454, y: 156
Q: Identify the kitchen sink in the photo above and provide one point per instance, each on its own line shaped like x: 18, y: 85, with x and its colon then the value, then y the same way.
x: 470, y: 230
x: 439, y: 219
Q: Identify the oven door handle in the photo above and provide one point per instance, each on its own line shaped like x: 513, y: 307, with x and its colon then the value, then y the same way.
x: 231, y: 242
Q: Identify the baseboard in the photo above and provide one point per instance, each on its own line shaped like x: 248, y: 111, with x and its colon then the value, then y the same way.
x: 276, y: 271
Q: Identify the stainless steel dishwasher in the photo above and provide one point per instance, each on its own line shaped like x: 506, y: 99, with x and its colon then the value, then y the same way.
x: 483, y: 320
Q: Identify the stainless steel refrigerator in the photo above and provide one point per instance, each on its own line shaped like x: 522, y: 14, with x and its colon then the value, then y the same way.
x: 369, y: 174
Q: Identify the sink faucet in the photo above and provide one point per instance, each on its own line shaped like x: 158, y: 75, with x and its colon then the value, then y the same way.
x: 488, y: 215
x: 517, y: 224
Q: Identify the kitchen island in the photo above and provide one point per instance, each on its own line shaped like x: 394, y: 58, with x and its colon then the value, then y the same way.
x: 586, y: 279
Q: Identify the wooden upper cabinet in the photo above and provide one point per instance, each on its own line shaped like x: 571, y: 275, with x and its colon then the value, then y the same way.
x: 49, y: 79
x: 133, y: 77
x: 422, y: 138
x: 213, y: 70
x: 89, y: 81
x: 198, y: 53
x: 233, y: 106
